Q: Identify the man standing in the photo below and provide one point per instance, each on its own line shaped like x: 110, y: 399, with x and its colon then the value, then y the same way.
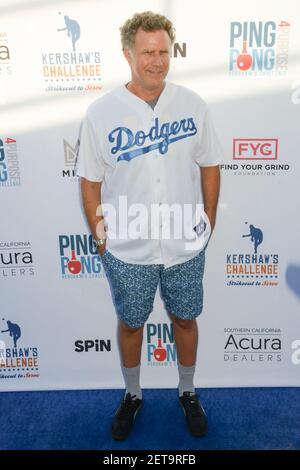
x: 150, y: 144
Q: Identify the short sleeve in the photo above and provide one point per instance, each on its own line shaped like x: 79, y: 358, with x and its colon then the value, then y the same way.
x: 90, y: 163
x: 209, y: 152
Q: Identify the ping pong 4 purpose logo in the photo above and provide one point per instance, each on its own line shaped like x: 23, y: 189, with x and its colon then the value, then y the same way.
x: 79, y: 257
x: 161, y: 348
x: 259, y: 47
x: 9, y: 162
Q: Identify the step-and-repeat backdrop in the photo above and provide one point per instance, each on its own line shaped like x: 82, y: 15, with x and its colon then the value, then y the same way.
x: 57, y: 319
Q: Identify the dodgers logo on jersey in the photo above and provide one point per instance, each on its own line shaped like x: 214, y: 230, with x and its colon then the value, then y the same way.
x: 161, y: 137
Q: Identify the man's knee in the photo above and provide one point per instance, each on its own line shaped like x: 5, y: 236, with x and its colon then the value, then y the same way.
x: 129, y: 329
x: 181, y: 323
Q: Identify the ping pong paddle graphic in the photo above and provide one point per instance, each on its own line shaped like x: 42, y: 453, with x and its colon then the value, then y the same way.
x: 74, y: 265
x: 244, y: 60
x: 160, y: 353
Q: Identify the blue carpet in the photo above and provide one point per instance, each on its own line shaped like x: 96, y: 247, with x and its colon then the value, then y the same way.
x: 239, y: 418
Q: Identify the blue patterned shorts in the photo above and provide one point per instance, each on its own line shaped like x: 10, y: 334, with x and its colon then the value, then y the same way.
x: 134, y: 286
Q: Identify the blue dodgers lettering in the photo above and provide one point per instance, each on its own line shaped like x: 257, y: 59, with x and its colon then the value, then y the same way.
x: 161, y: 136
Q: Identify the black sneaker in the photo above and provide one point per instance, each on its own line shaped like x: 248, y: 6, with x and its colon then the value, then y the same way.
x: 195, y: 415
x: 125, y: 416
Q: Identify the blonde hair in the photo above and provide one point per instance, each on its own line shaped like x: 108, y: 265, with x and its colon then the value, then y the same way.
x: 148, y: 21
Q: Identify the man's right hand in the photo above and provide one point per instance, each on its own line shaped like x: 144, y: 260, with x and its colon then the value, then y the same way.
x: 102, y: 249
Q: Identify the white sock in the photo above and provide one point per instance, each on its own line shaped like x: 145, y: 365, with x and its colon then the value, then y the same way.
x: 186, y: 379
x: 132, y: 380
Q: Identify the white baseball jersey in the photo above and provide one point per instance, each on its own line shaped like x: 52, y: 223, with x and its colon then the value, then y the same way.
x: 148, y: 162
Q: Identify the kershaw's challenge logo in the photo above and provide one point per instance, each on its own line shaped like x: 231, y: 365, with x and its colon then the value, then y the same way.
x: 161, y: 136
x: 256, y: 269
x: 72, y: 69
x: 16, y: 362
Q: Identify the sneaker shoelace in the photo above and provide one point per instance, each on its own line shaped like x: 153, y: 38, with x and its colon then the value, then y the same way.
x: 125, y: 410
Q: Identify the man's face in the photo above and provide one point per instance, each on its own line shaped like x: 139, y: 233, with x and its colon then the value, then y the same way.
x: 149, y: 59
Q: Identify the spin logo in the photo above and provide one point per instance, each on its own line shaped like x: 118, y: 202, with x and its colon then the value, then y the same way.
x: 9, y: 162
x: 71, y: 69
x: 259, y: 48
x: 161, y: 348
x: 179, y: 49
x: 79, y: 257
x: 252, y: 266
x: 92, y: 345
x: 17, y: 361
